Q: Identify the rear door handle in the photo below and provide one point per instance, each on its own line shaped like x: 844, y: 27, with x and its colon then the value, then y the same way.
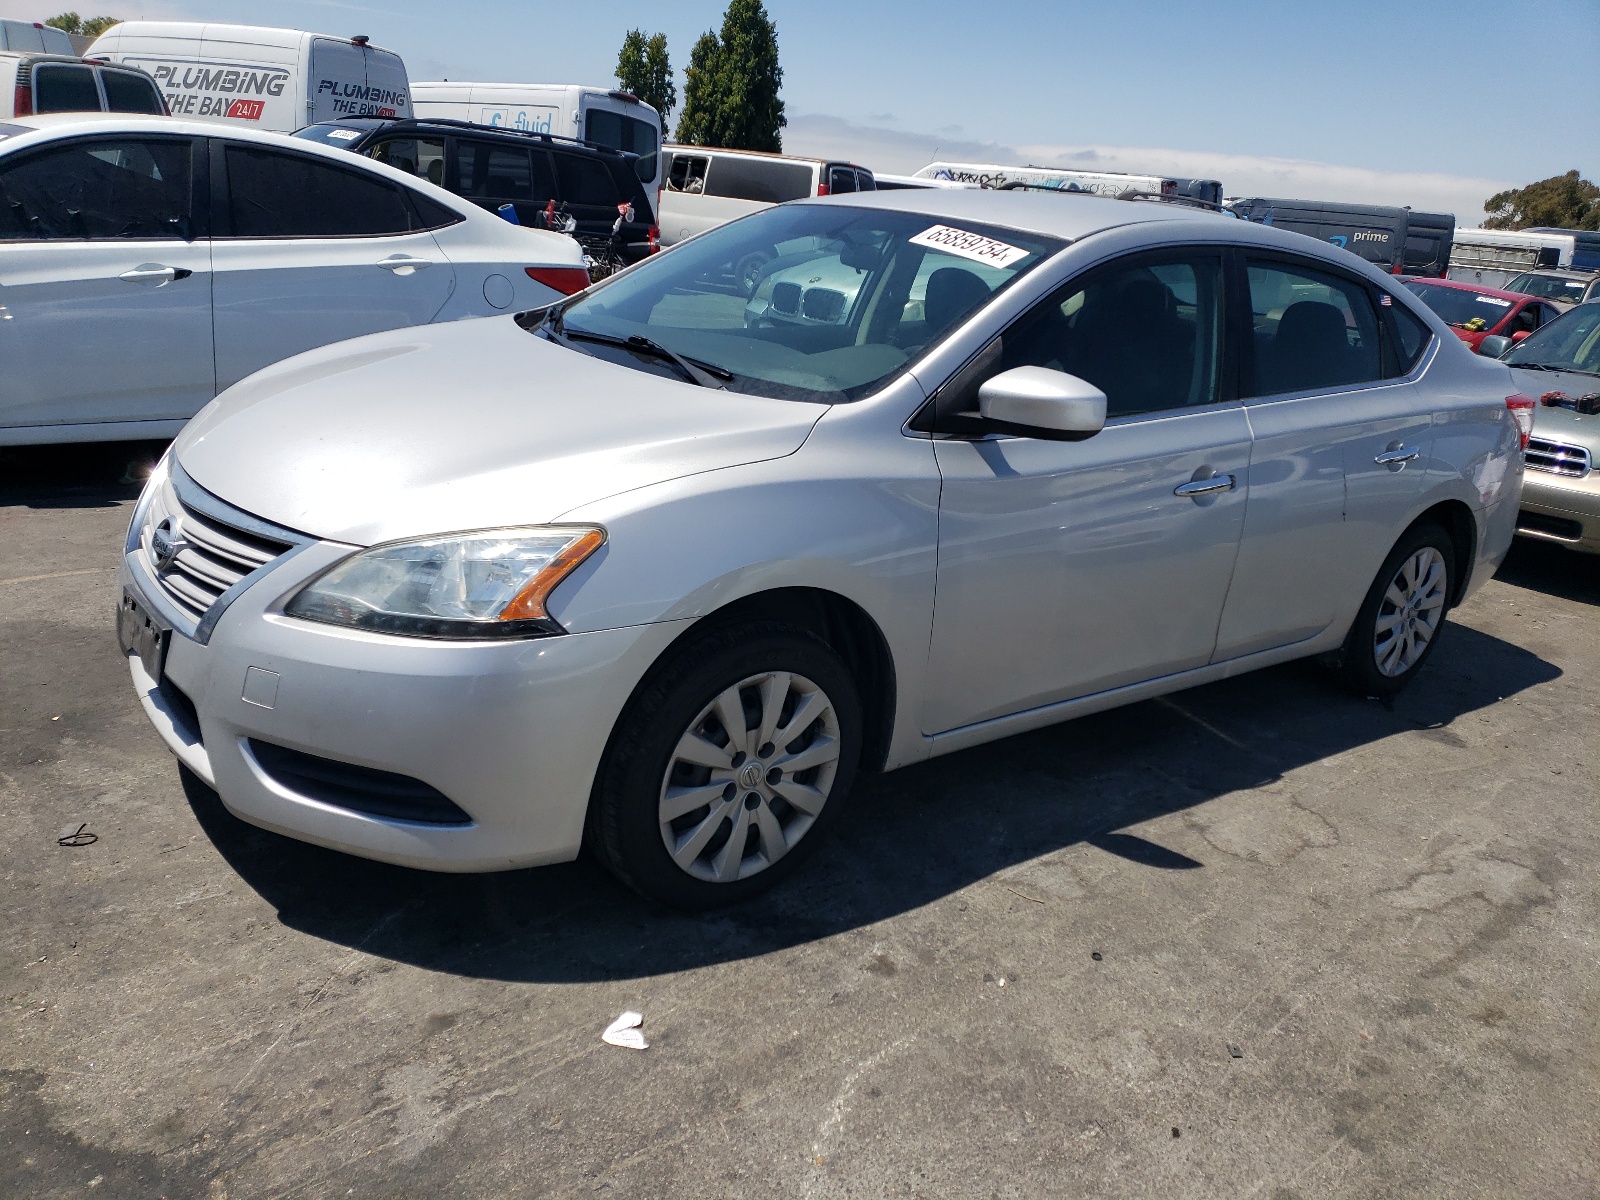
x: 401, y: 262
x: 154, y: 273
x: 1205, y: 487
x: 1397, y: 457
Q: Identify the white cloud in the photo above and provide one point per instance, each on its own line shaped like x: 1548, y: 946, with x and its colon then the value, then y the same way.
x: 895, y: 152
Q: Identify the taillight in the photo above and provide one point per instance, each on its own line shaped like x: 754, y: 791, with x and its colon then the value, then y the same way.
x: 822, y: 189
x: 566, y: 280
x: 1521, y: 409
x: 1397, y: 269
x: 22, y: 105
x: 654, y: 237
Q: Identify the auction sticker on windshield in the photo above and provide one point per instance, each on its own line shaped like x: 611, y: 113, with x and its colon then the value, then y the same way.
x: 968, y: 245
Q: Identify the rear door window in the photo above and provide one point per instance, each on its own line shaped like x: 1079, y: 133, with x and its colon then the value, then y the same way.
x: 1311, y: 329
x: 101, y: 189
x: 130, y: 93
x: 64, y: 87
x: 628, y: 134
x: 771, y: 181
x: 494, y: 171
x: 276, y: 195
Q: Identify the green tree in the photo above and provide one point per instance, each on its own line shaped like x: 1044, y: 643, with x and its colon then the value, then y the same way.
x: 1561, y: 202
x: 644, y: 69
x: 698, y: 123
x: 730, y: 93
x: 71, y: 22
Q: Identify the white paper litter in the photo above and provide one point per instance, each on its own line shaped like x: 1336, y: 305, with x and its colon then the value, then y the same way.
x: 625, y: 1032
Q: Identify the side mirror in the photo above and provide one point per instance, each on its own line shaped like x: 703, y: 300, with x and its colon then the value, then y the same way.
x: 1494, y: 346
x: 1041, y: 403
x: 1518, y: 336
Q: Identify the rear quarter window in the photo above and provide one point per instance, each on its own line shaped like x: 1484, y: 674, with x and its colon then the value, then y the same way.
x: 585, y: 180
x: 771, y: 182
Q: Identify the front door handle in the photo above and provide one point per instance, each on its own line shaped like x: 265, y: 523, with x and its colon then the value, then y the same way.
x: 403, y: 264
x: 1397, y: 456
x: 1206, y: 487
x: 154, y: 273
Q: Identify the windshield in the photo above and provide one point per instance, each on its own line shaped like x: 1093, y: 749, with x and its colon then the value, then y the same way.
x: 1467, y: 310
x: 802, y: 301
x: 1548, y: 287
x: 1569, y: 343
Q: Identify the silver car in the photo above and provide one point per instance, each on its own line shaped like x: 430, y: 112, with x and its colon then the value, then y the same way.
x: 1560, y: 364
x: 627, y: 570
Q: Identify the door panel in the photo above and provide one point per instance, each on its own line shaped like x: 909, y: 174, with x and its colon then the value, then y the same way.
x: 310, y: 252
x: 105, y: 307
x: 1068, y: 568
x: 1323, y: 513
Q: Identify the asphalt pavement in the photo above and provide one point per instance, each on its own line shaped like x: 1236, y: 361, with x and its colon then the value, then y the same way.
x: 1257, y: 939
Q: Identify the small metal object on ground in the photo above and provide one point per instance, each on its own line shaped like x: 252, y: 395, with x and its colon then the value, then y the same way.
x: 76, y: 834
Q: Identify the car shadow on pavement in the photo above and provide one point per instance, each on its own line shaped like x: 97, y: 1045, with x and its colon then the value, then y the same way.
x: 1554, y: 570
x: 82, y: 475
x: 911, y: 838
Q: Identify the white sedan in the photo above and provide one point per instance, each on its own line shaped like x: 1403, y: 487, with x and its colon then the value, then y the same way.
x: 148, y: 263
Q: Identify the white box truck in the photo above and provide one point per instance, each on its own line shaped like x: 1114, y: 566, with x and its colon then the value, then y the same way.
x: 260, y: 77
x: 619, y: 120
x: 1491, y: 257
x: 1101, y: 183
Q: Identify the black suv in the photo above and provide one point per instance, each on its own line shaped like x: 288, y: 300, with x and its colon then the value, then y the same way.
x: 541, y: 178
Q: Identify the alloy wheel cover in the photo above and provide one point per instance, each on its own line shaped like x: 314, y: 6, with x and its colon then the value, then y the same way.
x: 749, y: 776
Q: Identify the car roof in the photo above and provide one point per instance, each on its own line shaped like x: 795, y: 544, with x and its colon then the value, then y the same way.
x: 800, y: 158
x: 1068, y: 215
x: 1457, y: 285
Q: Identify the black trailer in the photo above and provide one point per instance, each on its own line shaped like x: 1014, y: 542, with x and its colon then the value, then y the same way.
x: 1395, y: 240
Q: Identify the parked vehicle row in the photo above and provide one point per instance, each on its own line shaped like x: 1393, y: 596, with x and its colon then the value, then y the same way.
x: 149, y: 263
x: 532, y: 179
x: 1395, y: 240
x: 1560, y: 364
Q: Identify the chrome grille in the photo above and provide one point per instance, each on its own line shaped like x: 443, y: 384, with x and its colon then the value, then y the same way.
x: 204, y: 549
x: 1556, y: 457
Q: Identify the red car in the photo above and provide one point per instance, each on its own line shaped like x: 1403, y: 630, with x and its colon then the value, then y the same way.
x: 1475, y: 312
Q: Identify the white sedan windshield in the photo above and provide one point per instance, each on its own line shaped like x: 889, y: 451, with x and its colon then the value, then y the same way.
x: 803, y: 301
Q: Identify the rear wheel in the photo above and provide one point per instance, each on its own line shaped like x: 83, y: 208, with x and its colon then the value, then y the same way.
x: 728, y: 767
x: 1403, y: 614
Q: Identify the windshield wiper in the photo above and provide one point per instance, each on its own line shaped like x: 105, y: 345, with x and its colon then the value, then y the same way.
x: 1549, y: 367
x: 695, y: 372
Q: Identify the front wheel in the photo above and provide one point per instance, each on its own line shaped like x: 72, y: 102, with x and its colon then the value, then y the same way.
x: 728, y: 767
x: 1403, y: 614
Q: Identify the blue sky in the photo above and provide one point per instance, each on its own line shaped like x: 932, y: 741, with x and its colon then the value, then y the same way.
x: 1409, y: 97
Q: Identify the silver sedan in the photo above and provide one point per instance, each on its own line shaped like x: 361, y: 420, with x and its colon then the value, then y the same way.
x: 632, y: 570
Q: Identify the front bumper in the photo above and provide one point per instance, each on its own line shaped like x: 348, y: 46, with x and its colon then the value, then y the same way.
x: 511, y: 732
x: 1562, y: 510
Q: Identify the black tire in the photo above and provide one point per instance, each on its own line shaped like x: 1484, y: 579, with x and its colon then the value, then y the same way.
x: 748, y: 270
x: 625, y: 830
x: 1359, y: 665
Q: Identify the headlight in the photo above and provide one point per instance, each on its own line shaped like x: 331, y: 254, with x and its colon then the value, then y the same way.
x: 488, y: 584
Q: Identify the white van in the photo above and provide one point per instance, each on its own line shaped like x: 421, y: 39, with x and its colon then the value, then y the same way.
x: 259, y: 77
x: 619, y: 120
x: 1101, y: 183
x: 1492, y: 256
x: 32, y: 37
x: 706, y: 187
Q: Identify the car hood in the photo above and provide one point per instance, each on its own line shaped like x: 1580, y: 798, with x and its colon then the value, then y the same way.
x: 1562, y: 424
x: 464, y: 425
